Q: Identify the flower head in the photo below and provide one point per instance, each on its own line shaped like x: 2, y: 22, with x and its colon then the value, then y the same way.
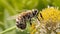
x: 49, y: 20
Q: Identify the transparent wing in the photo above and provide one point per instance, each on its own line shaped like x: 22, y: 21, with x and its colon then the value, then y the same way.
x: 12, y: 17
x: 15, y: 16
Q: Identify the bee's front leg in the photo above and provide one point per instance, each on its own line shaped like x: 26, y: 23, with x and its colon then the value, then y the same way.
x: 37, y: 18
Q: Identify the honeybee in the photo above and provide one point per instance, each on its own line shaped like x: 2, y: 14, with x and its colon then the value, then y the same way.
x: 24, y: 16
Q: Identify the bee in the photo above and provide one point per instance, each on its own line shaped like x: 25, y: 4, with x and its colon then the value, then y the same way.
x: 21, y: 18
x: 24, y: 16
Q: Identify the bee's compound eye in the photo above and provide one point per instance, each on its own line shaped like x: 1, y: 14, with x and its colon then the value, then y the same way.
x: 35, y: 12
x: 21, y: 26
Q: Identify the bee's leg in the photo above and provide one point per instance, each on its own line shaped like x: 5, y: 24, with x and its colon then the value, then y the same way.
x: 41, y: 15
x: 37, y: 18
x: 30, y: 21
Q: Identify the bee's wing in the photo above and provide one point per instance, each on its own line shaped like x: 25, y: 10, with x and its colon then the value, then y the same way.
x: 15, y: 16
x: 12, y: 17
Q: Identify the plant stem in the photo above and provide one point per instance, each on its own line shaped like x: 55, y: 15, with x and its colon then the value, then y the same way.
x: 9, y: 29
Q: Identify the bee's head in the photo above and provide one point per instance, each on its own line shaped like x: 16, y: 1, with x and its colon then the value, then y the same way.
x: 21, y: 25
x: 35, y: 11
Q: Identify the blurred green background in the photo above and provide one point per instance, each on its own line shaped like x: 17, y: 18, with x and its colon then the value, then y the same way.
x: 11, y: 7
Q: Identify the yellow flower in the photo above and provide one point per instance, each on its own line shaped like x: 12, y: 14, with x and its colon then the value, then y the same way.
x: 50, y: 13
x: 32, y: 27
x: 49, y: 20
x: 33, y: 31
